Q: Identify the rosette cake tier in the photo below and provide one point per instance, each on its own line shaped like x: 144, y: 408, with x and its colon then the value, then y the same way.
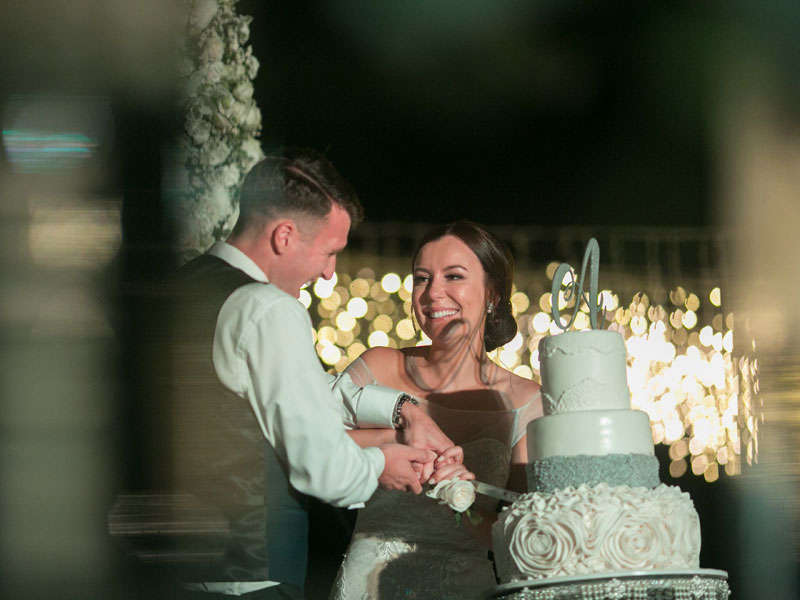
x: 594, y: 503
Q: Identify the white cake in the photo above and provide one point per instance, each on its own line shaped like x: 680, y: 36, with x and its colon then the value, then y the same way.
x: 595, y: 502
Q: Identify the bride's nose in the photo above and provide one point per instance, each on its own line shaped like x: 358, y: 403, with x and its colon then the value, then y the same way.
x: 435, y: 288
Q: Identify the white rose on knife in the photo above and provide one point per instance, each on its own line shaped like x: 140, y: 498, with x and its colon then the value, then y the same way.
x: 456, y: 493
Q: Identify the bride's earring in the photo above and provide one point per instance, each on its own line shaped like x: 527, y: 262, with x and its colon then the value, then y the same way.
x: 489, y: 307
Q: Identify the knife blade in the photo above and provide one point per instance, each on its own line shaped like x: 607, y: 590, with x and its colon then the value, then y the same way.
x: 495, y: 492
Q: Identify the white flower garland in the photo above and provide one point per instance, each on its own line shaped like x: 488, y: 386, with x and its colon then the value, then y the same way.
x: 222, y: 121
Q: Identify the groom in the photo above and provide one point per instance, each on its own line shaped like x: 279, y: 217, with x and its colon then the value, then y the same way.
x: 258, y: 423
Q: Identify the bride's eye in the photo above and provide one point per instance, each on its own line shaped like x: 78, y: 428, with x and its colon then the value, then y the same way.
x: 418, y: 279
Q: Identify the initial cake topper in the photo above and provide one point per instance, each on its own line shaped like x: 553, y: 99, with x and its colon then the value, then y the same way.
x: 574, y: 289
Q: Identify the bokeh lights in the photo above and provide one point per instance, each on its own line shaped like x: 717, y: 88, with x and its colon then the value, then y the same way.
x: 681, y: 367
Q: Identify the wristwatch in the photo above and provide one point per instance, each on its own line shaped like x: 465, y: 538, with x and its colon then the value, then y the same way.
x: 397, y: 419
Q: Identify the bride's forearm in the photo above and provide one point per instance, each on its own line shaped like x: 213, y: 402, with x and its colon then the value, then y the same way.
x: 367, y: 438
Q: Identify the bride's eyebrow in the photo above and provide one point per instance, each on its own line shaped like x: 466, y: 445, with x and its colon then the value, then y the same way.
x: 447, y: 268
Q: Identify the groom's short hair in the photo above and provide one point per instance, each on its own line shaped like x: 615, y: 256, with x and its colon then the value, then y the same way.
x: 295, y: 182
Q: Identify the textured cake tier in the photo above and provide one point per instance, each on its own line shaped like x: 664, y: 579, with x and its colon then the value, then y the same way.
x: 595, y: 432
x: 587, y: 530
x: 558, y: 472
x: 583, y: 370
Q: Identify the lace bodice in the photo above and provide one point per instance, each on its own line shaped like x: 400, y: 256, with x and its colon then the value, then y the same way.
x: 411, y: 547
x: 420, y: 518
x: 407, y: 546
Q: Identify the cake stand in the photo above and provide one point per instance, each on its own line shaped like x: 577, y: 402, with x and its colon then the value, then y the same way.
x: 683, y: 584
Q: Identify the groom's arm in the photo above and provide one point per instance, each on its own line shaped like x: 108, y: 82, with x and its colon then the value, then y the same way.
x: 364, y: 406
x: 374, y: 407
x: 263, y: 352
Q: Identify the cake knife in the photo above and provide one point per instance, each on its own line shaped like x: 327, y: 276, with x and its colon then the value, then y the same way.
x: 495, y: 492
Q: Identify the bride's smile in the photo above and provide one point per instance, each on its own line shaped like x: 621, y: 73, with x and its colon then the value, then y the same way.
x: 441, y: 314
x: 449, y: 287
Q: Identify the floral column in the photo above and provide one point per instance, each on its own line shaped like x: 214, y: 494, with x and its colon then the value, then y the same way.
x: 219, y: 142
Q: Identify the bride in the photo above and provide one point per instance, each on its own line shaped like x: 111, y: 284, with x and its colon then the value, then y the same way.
x: 407, y: 546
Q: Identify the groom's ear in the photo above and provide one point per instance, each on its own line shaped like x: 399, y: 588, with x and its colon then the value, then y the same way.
x: 283, y: 236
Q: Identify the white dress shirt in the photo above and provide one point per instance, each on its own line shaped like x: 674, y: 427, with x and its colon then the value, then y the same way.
x: 264, y: 352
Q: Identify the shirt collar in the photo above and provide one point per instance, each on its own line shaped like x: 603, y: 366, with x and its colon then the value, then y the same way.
x: 236, y: 258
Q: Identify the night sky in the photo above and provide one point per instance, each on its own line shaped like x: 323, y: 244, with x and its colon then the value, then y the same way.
x: 509, y: 113
x: 548, y: 113
x: 505, y: 113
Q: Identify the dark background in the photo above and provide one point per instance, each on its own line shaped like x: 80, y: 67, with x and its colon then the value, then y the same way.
x: 514, y: 113
x: 553, y: 114
x: 550, y: 113
x: 547, y: 113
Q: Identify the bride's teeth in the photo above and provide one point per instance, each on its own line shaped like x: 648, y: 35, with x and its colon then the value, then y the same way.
x: 442, y: 313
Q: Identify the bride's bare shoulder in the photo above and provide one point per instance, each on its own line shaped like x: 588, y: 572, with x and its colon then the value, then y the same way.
x: 389, y: 364
x: 380, y: 359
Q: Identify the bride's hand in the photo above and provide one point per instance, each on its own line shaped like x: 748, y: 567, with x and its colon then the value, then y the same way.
x: 401, y: 467
x: 451, y: 456
x: 454, y: 454
x: 451, y: 471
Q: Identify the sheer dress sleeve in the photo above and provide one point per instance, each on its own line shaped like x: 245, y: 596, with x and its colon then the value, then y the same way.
x: 360, y: 374
x: 524, y: 415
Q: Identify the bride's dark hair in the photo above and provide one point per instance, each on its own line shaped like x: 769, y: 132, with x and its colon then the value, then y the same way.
x: 498, y: 265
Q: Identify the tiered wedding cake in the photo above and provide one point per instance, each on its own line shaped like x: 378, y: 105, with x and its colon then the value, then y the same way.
x: 596, y: 521
x: 595, y: 503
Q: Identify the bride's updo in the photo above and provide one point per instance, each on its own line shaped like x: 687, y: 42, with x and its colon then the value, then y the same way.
x: 498, y: 265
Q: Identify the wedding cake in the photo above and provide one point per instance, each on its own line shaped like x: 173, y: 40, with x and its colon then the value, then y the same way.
x: 594, y: 503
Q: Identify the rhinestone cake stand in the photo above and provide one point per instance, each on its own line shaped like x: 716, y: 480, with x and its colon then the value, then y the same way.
x: 695, y: 584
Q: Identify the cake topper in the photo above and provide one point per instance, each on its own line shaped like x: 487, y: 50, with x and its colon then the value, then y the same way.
x: 574, y: 289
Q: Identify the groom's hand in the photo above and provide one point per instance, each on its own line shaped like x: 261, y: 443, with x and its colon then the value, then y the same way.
x: 420, y: 431
x: 450, y: 465
x: 401, y: 471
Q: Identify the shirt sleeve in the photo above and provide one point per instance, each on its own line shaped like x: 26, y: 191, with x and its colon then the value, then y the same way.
x: 365, y: 403
x: 264, y: 352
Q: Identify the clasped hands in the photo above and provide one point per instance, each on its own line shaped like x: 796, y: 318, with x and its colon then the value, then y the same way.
x: 424, y: 455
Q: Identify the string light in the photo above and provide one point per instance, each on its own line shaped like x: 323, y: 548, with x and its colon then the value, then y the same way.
x: 681, y: 369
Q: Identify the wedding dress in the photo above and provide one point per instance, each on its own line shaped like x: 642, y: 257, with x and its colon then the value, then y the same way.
x: 410, y: 547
